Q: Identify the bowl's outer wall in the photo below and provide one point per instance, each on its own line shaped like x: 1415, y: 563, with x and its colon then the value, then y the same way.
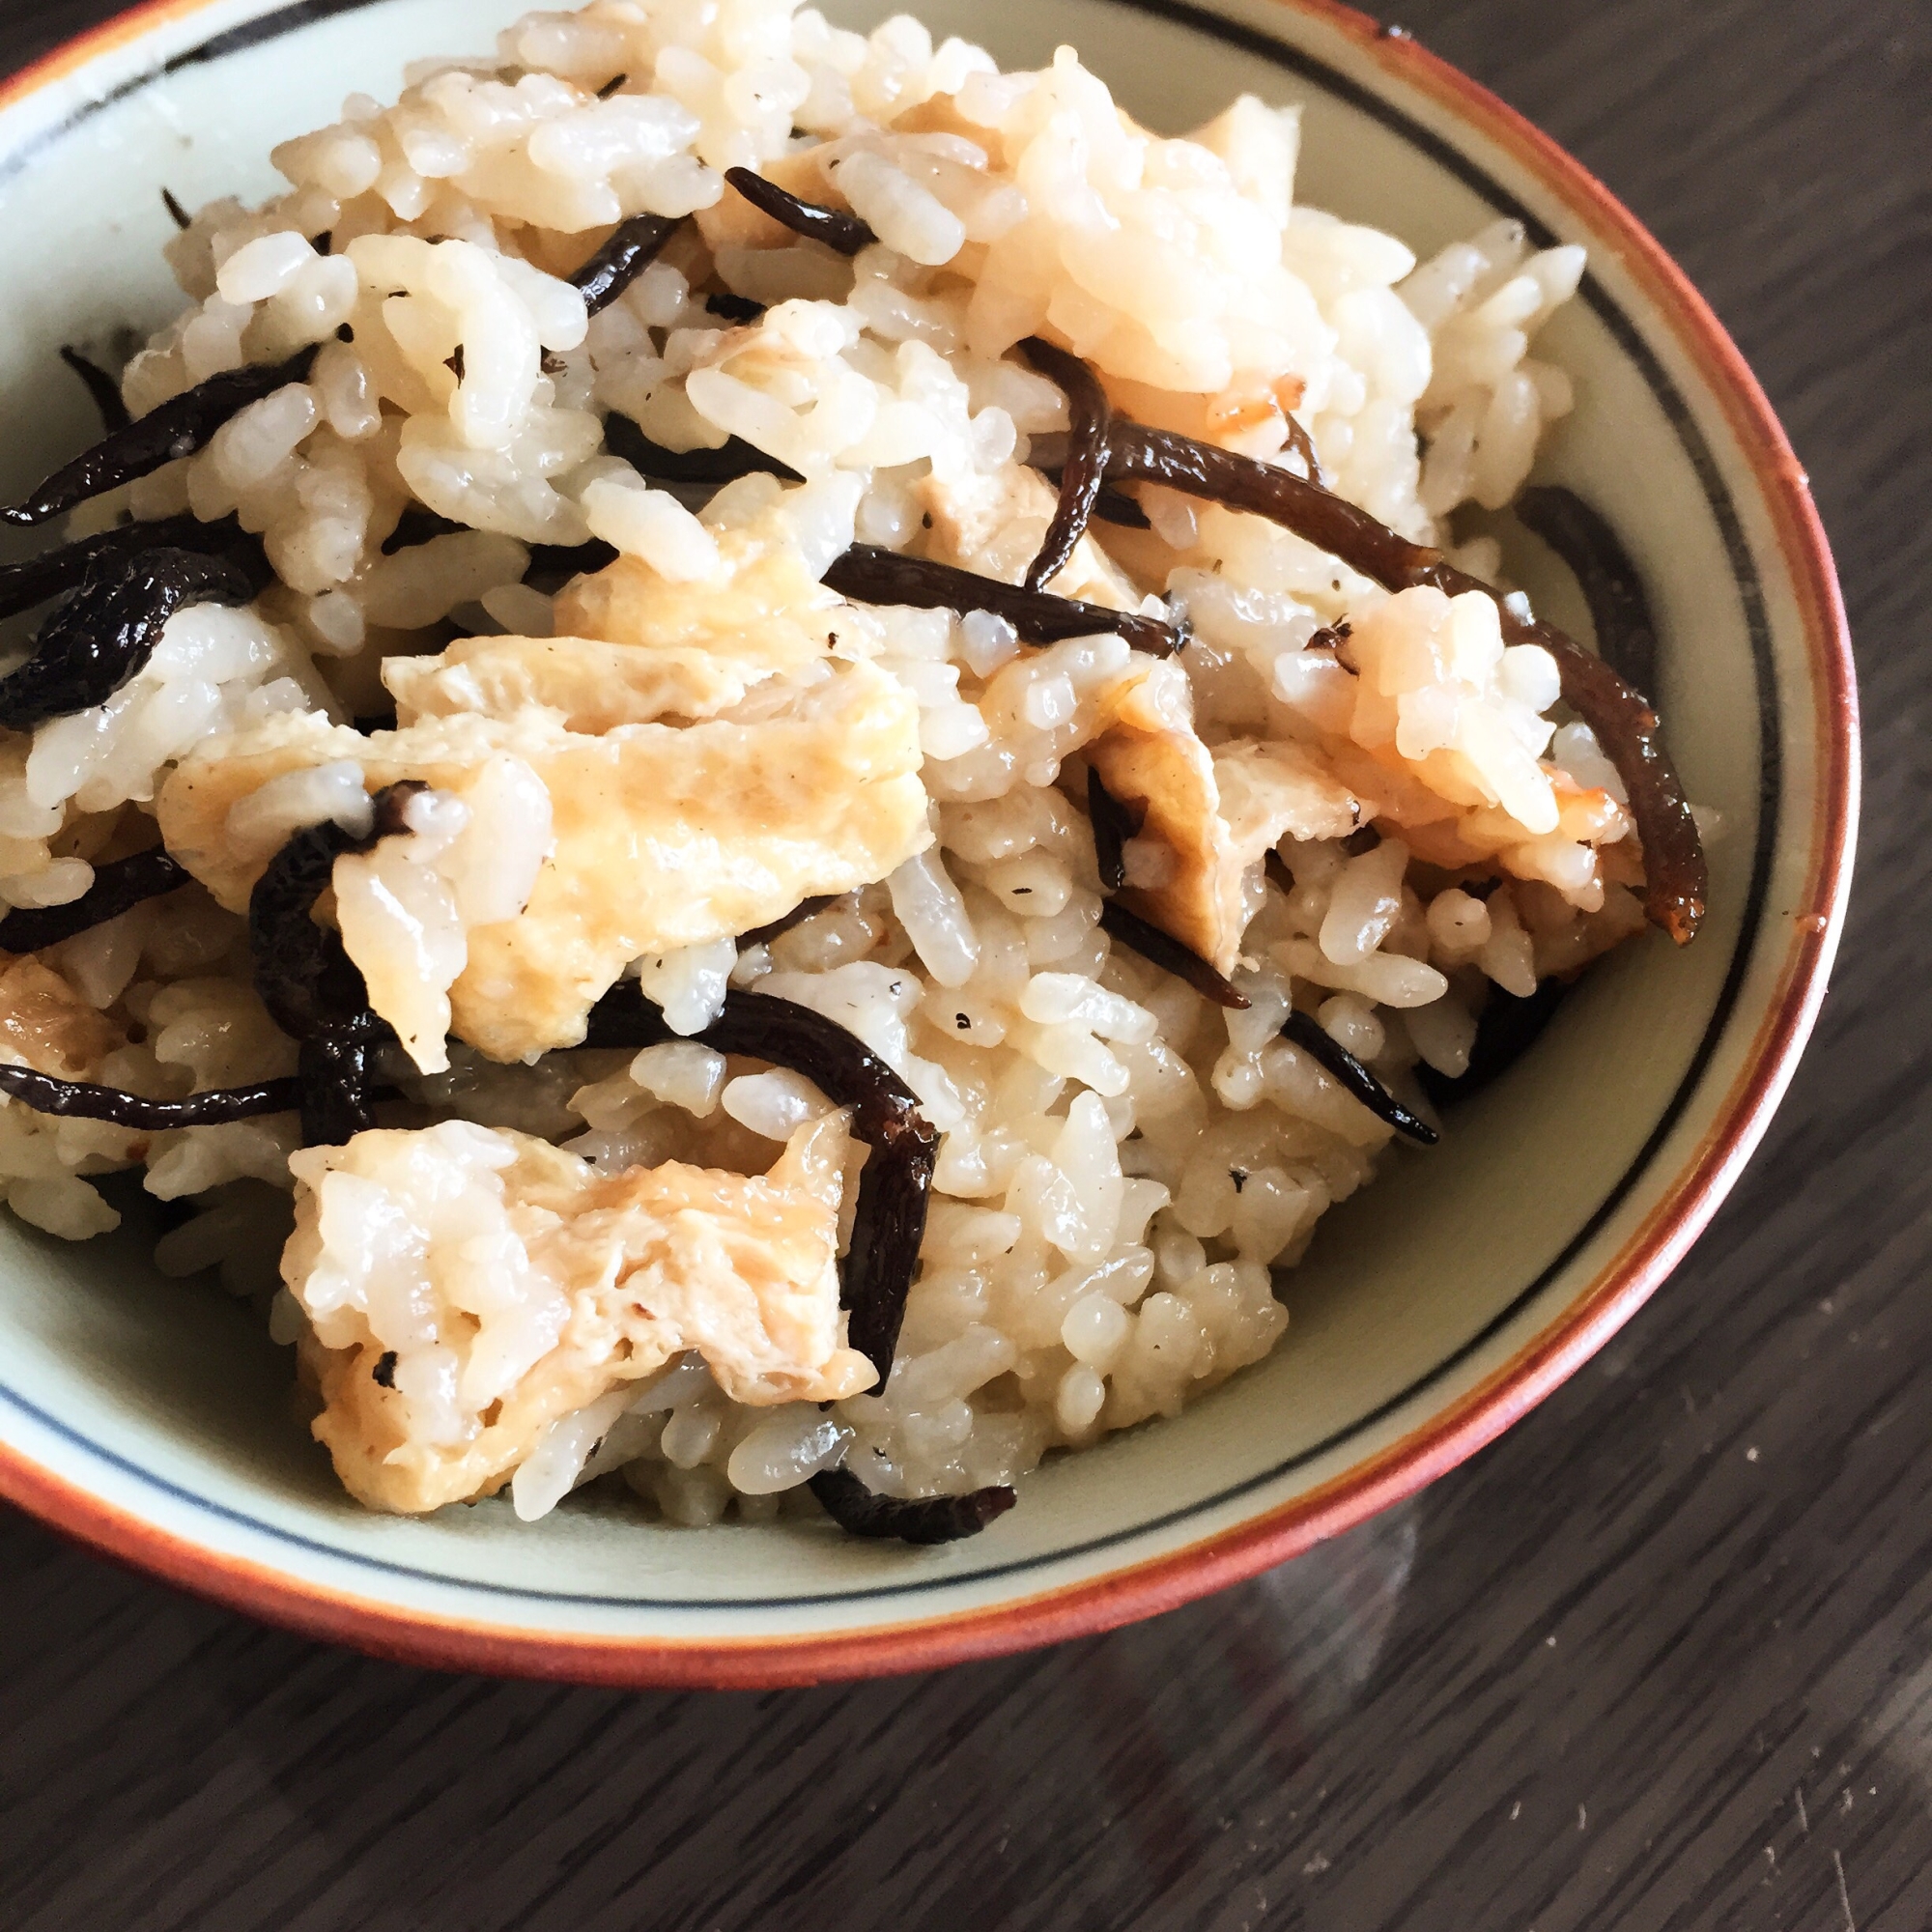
x: 182, y: 1392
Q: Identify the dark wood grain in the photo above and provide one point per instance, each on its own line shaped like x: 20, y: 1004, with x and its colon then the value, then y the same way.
x: 1661, y: 1659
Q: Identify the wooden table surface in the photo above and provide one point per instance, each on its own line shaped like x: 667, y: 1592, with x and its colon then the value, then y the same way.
x: 1661, y: 1658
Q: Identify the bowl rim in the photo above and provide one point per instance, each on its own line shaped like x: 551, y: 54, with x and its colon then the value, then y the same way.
x: 1434, y: 1446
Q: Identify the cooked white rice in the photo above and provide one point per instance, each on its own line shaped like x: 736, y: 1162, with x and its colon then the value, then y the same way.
x: 1124, y: 1167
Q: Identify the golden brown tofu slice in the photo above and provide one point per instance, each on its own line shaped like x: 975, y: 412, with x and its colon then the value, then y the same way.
x: 636, y: 646
x: 47, y: 1025
x: 664, y: 837
x: 1212, y: 813
x: 469, y: 1286
x: 590, y: 685
x: 764, y: 608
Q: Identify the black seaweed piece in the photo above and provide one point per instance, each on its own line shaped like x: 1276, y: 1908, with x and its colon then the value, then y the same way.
x: 1163, y: 950
x: 103, y: 635
x: 101, y: 386
x: 1083, y: 473
x: 1113, y: 824
x: 1304, y: 445
x: 335, y: 1076
x: 1110, y: 506
x: 736, y: 458
x: 1508, y: 1028
x: 558, y: 563
x: 1677, y: 878
x: 177, y: 213
x: 895, y: 1187
x: 311, y: 987
x: 417, y: 527
x: 1117, y: 507
x: 116, y: 887
x: 926, y: 1520
x: 77, y: 1100
x: 870, y: 576
x: 888, y: 1226
x: 837, y: 229
x: 727, y: 307
x: 1619, y: 610
x: 1354, y: 1078
x: 304, y: 973
x: 176, y: 429
x: 611, y: 86
x: 804, y: 909
x: 32, y: 581
x: 636, y: 243
x: 383, y: 1373
x: 306, y: 977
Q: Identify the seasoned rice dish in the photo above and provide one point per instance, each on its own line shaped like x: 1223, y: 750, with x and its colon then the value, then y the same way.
x: 758, y: 757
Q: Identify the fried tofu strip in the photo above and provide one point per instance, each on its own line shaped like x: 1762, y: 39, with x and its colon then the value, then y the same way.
x: 664, y: 837
x: 1214, y: 814
x: 468, y: 1286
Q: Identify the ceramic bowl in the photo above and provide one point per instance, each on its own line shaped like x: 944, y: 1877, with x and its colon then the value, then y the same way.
x: 151, y: 1419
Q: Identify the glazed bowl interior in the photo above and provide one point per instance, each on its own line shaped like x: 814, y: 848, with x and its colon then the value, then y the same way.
x: 155, y: 1416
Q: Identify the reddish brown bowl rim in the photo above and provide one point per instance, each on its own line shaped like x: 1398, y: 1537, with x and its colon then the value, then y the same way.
x: 1428, y: 1451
